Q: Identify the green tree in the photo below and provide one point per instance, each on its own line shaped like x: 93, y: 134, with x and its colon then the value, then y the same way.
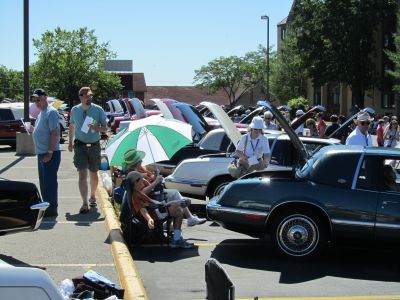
x: 68, y: 60
x: 337, y: 42
x: 288, y: 72
x: 11, y: 83
x: 234, y: 75
x: 298, y: 103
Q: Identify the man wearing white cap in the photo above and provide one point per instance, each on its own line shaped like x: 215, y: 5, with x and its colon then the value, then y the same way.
x: 360, y: 135
x: 253, y: 148
x: 268, y: 121
x: 299, y: 130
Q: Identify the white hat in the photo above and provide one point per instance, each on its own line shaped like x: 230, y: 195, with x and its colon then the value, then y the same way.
x: 299, y: 112
x: 268, y: 114
x: 257, y: 123
x: 363, y: 117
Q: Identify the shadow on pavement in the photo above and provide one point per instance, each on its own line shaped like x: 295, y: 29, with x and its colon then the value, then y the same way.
x: 158, y: 253
x: 84, y: 219
x: 11, y: 164
x: 342, y: 262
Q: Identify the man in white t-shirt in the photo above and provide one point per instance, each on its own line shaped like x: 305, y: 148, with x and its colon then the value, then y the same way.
x: 360, y: 135
x: 253, y: 148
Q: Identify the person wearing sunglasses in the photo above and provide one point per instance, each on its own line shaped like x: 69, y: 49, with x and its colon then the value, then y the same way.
x: 87, y: 122
x: 268, y: 121
x: 360, y: 135
x: 47, y: 145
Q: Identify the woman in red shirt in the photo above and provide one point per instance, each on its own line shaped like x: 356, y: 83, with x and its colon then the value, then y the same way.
x: 379, y: 132
x: 321, y: 125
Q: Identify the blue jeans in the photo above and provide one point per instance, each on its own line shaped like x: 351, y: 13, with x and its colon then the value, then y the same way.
x: 48, y: 180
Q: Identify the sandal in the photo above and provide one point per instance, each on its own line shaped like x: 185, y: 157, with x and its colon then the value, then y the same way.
x: 92, y: 202
x: 84, y: 209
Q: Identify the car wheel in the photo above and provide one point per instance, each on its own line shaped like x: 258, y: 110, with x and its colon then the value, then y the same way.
x: 218, y: 186
x: 298, y: 233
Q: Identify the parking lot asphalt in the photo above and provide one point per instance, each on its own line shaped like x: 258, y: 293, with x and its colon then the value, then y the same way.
x: 64, y: 247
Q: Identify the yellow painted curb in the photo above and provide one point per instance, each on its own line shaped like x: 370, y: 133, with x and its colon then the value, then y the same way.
x: 128, y: 275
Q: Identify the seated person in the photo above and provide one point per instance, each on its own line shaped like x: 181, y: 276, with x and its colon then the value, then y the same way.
x: 141, y: 203
x: 133, y: 162
x: 389, y: 176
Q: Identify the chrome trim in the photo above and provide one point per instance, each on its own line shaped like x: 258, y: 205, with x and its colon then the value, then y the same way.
x: 353, y: 223
x: 16, y: 229
x: 353, y: 185
x: 185, y: 181
x: 313, y: 204
x: 237, y: 210
x: 388, y: 226
x: 40, y: 206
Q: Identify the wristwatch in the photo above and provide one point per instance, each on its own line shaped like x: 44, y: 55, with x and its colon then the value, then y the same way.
x: 50, y: 151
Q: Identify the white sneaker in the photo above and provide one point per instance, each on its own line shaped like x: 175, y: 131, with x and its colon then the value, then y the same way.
x: 195, y: 220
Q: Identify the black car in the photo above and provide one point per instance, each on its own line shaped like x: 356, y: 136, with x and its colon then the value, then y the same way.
x: 340, y: 194
x: 21, y: 207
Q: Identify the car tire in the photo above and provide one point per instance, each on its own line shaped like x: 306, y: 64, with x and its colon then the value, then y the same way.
x: 217, y: 186
x: 298, y: 233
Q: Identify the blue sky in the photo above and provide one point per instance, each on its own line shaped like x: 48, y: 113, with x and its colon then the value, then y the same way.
x: 166, y: 39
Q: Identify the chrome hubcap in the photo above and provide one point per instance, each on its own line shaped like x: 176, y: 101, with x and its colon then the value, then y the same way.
x: 297, y: 235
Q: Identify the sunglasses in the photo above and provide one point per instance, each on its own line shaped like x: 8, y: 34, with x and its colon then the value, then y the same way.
x: 36, y: 100
x: 362, y: 123
x: 82, y: 95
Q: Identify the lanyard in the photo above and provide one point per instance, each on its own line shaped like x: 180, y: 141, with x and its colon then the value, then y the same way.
x: 366, y: 140
x: 252, y: 146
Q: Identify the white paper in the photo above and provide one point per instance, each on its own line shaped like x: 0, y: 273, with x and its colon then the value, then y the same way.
x: 85, y: 126
x: 253, y: 160
x: 27, y: 126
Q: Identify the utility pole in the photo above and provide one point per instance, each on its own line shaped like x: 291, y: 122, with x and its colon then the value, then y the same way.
x: 26, y: 60
x: 265, y: 17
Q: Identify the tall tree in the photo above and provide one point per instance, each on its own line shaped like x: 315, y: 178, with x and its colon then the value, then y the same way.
x: 234, y: 75
x: 337, y: 40
x: 288, y: 72
x: 68, y: 60
x: 11, y: 83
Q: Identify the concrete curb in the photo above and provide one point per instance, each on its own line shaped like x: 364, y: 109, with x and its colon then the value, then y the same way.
x: 128, y: 275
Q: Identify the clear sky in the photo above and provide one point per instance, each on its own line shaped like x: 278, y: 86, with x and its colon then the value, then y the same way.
x: 166, y: 39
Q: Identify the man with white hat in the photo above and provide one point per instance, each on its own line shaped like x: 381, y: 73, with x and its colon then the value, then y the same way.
x: 299, y: 130
x: 253, y: 148
x: 268, y: 121
x: 360, y: 135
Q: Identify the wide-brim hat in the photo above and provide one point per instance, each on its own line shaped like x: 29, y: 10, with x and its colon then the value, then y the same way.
x: 364, y: 117
x: 132, y: 157
x: 257, y: 123
x: 134, y: 176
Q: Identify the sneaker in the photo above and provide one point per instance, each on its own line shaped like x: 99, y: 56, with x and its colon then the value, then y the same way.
x: 195, y: 220
x: 181, y: 243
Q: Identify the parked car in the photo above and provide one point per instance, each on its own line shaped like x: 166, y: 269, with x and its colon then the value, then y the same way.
x: 336, y: 195
x: 21, y: 207
x: 212, y: 175
x: 11, y: 115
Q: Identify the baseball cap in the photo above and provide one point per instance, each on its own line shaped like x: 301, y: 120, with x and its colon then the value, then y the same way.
x: 38, y: 93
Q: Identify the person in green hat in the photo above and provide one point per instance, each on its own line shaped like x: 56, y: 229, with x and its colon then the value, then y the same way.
x: 152, y: 182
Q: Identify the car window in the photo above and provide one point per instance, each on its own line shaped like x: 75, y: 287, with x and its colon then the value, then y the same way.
x: 212, y: 141
x: 226, y: 141
x: 6, y: 114
x: 370, y: 174
x: 391, y: 175
x: 282, y: 153
x: 335, y: 169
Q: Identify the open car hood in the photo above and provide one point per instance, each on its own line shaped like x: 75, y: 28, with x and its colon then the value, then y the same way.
x: 308, y: 114
x: 288, y: 129
x: 226, y: 123
x: 163, y: 108
x: 138, y: 107
x: 349, y: 121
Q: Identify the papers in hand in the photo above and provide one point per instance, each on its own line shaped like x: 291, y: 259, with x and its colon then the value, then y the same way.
x: 85, y: 126
x: 253, y: 160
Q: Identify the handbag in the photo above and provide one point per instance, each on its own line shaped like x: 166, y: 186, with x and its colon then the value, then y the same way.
x: 237, y: 169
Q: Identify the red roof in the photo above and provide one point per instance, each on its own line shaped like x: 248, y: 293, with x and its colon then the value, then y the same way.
x: 188, y: 94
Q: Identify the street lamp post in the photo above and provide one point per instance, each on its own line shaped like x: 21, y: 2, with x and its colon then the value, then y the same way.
x: 265, y: 17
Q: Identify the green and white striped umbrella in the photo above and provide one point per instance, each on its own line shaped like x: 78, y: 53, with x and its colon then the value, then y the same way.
x: 159, y: 138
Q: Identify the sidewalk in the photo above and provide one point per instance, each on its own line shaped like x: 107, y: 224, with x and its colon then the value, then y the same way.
x: 69, y: 245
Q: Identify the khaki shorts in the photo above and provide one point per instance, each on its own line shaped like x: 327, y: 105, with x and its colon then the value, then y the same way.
x: 87, y: 157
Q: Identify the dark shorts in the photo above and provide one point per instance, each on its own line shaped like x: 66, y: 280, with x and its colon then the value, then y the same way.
x: 87, y: 156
